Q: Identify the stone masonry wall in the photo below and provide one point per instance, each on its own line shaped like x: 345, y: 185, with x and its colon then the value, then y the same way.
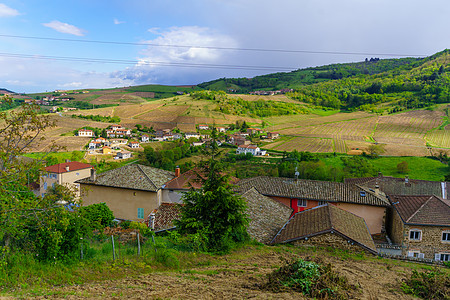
x: 431, y: 242
x: 331, y: 240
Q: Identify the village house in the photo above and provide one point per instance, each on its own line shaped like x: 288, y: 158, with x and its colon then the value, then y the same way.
x: 273, y: 135
x: 64, y: 174
x: 326, y: 226
x: 238, y: 139
x: 119, y: 141
x: 123, y: 155
x: 145, y: 138
x: 132, y: 192
x: 123, y: 132
x: 189, y: 135
x: 133, y: 144
x: 303, y: 194
x: 115, y: 127
x: 254, y: 131
x: 94, y: 145
x: 203, y: 127
x: 252, y: 149
x: 221, y: 129
x: 85, y: 132
x: 421, y: 226
x: 177, y: 136
x: 403, y: 186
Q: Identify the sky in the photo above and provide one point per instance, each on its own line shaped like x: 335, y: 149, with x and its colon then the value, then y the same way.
x: 47, y: 45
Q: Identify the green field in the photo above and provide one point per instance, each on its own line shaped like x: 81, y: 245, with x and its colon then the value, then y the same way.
x: 422, y: 168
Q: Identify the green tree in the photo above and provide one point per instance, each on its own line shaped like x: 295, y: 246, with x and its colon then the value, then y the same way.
x: 213, y: 214
x: 403, y: 167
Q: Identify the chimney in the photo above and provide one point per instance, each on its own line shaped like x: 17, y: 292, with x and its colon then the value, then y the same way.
x: 67, y: 160
x: 67, y: 168
x: 177, y: 171
x: 406, y: 179
x: 380, y: 174
x: 93, y: 174
x: 377, y: 189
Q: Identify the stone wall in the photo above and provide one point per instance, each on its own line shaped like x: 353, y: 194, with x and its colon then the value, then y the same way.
x: 396, y: 232
x: 331, y: 240
x: 431, y: 242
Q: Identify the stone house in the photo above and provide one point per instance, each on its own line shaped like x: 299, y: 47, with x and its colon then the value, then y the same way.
x: 304, y: 194
x: 326, y: 226
x: 421, y: 226
x: 238, y: 139
x: 64, y: 174
x: 273, y: 135
x: 132, y: 192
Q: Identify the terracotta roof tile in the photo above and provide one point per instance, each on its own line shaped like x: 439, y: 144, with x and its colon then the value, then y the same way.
x: 73, y: 166
x: 133, y: 176
x: 425, y: 210
x: 312, y: 190
x: 165, y: 215
x: 324, y: 219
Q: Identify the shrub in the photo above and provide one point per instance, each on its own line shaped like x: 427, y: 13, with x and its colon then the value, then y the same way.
x: 310, y: 278
x: 99, y: 214
x: 428, y: 285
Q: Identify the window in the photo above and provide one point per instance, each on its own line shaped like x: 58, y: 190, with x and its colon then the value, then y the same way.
x: 78, y: 174
x: 446, y: 236
x: 45, y: 186
x: 301, y: 203
x: 415, y: 235
x: 140, y: 213
x: 322, y: 203
x: 444, y: 257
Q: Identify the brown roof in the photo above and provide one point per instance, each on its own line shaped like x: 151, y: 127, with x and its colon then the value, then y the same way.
x: 248, y: 146
x: 185, y: 181
x: 73, y: 166
x: 165, y: 215
x: 137, y: 177
x: 312, y: 190
x: 422, y: 210
x: 402, y: 186
x: 326, y: 219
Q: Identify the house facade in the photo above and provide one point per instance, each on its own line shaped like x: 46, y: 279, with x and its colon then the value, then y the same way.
x: 85, y: 132
x: 252, y: 149
x: 303, y: 194
x: 421, y: 226
x: 133, y: 144
x: 123, y: 155
x: 64, y: 174
x: 132, y: 192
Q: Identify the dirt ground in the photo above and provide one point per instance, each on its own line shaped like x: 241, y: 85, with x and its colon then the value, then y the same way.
x: 241, y: 278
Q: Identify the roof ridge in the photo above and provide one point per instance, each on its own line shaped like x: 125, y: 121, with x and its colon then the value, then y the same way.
x: 418, y: 210
x: 148, y: 178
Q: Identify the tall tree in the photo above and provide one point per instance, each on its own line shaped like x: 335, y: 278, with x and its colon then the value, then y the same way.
x: 213, y: 213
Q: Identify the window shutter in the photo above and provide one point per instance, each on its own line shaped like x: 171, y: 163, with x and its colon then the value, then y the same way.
x: 421, y: 255
x: 437, y: 257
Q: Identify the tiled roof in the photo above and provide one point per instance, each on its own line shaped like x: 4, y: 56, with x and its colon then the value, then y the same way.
x: 326, y: 219
x: 312, y: 190
x: 137, y: 177
x: 424, y: 210
x: 248, y: 146
x: 267, y: 216
x: 73, y: 166
x: 401, y: 186
x: 185, y: 181
x: 165, y: 215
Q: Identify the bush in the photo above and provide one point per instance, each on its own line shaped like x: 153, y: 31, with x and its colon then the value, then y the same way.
x: 99, y: 214
x: 428, y: 285
x: 310, y: 278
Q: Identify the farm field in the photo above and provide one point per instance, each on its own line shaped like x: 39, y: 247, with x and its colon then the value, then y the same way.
x: 408, y: 133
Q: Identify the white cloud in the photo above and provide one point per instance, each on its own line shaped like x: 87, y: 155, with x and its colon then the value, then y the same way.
x: 117, y: 22
x: 6, y: 11
x: 64, y: 28
x: 154, y: 30
x: 150, y: 70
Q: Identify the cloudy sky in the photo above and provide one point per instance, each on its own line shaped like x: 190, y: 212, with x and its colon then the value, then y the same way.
x: 53, y: 44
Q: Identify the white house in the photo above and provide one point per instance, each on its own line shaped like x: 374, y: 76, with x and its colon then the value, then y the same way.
x: 253, y: 149
x: 133, y: 144
x: 94, y: 145
x: 85, y: 132
x: 189, y: 135
x: 145, y: 138
x: 123, y: 155
x: 221, y: 129
x: 203, y: 127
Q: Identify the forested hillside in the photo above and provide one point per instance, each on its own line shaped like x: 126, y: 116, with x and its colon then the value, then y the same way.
x: 403, y: 83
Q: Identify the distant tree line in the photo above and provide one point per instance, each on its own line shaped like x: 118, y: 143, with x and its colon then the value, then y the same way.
x: 98, y: 118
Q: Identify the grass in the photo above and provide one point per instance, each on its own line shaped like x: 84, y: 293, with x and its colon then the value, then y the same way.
x: 422, y: 168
